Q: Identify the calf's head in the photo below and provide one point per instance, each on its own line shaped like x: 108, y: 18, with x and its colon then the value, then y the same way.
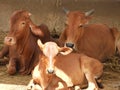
x: 75, y: 23
x: 50, y: 50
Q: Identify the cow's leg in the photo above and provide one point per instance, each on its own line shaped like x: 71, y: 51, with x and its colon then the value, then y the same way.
x: 27, y: 71
x: 22, y: 66
x: 12, y: 66
x: 4, y: 51
x: 33, y: 86
x: 92, y: 85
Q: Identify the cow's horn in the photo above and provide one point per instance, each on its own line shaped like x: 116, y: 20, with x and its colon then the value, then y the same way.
x: 65, y: 10
x: 89, y: 12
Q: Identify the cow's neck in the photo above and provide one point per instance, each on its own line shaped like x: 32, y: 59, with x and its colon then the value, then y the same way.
x: 23, y: 42
x: 82, y: 31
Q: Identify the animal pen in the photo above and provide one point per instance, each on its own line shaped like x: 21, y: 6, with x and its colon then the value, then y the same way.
x: 50, y: 13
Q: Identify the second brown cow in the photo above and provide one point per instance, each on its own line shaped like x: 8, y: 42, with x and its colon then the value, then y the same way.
x: 95, y: 40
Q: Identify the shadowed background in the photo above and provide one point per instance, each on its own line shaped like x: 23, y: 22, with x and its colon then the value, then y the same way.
x: 50, y: 12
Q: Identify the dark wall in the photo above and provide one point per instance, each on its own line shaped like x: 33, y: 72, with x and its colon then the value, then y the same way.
x: 50, y: 11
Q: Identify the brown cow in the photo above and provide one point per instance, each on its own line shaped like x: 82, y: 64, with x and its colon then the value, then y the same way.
x: 21, y: 44
x: 95, y: 40
x: 72, y: 68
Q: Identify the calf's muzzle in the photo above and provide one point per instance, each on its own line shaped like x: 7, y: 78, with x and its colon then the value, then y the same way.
x: 50, y: 70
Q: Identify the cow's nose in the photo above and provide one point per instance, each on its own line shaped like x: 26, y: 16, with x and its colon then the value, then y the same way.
x: 50, y: 71
x: 71, y: 45
x: 8, y: 39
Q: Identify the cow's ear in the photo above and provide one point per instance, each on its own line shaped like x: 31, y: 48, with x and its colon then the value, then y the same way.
x: 65, y: 50
x: 40, y: 44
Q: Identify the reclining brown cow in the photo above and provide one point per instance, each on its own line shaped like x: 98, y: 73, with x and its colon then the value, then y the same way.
x: 20, y: 43
x: 95, y: 40
x: 72, y: 68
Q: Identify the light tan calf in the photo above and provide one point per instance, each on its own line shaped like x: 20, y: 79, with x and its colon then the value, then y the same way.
x: 74, y: 69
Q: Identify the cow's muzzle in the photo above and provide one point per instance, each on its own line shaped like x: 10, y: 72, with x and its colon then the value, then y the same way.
x: 71, y: 45
x: 9, y: 40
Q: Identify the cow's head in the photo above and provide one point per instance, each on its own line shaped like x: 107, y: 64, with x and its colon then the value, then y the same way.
x: 50, y: 50
x: 75, y: 24
x: 19, y: 27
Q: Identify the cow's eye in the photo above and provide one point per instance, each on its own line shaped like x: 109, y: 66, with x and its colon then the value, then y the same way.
x: 80, y: 25
x: 23, y: 23
x: 66, y: 23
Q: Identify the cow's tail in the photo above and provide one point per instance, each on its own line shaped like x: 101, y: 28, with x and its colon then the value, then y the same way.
x: 99, y: 83
x: 116, y: 34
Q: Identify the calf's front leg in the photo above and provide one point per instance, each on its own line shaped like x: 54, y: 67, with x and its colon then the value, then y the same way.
x: 33, y: 86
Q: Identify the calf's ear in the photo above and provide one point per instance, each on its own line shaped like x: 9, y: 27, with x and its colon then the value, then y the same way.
x: 65, y: 50
x: 40, y: 44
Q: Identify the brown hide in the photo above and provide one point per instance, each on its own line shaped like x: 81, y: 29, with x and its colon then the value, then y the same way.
x: 95, y: 40
x: 23, y: 49
x: 79, y: 68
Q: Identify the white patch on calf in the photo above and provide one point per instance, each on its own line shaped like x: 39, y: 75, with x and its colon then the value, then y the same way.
x: 60, y: 86
x: 30, y: 85
x: 37, y: 87
x: 77, y: 88
x: 36, y: 74
x: 64, y: 77
x: 91, y: 86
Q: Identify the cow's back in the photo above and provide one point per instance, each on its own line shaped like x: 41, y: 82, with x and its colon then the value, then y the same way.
x: 68, y: 64
x: 97, y: 41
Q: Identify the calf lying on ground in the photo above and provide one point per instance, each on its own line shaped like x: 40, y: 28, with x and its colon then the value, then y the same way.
x: 74, y: 69
x: 44, y: 81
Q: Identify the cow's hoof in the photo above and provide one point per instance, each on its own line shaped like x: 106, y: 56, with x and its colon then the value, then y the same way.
x: 11, y: 70
x: 22, y: 70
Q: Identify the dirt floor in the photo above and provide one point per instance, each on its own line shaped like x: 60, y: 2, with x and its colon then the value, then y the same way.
x: 110, y: 80
x: 50, y: 13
